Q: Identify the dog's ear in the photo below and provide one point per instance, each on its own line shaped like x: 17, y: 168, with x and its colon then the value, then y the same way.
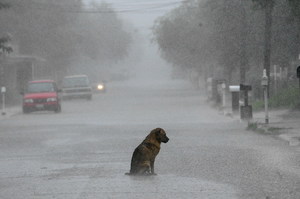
x: 158, y: 131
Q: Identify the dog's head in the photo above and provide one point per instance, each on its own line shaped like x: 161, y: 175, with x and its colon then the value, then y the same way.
x: 160, y: 135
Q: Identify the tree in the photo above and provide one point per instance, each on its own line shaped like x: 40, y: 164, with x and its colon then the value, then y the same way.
x: 231, y: 35
x: 206, y: 33
x: 63, y: 31
x: 230, y: 27
x: 295, y: 7
x: 5, y: 39
x: 39, y: 28
x: 101, y: 35
x: 295, y: 11
x: 268, y: 6
x: 4, y: 5
x: 284, y: 35
x: 4, y: 47
x: 179, y: 35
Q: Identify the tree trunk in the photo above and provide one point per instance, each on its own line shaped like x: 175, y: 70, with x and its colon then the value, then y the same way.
x: 298, y: 39
x: 243, y: 54
x: 243, y: 65
x: 268, y: 37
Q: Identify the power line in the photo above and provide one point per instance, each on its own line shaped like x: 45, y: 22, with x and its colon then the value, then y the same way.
x: 143, y: 7
x: 150, y: 8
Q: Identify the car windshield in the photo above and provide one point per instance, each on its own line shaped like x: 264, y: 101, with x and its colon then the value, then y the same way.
x: 75, y: 82
x: 41, y: 87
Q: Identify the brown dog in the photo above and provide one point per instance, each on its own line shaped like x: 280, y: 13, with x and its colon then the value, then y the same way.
x: 142, y: 162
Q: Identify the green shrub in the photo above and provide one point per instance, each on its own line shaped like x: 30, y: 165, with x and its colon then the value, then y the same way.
x: 285, y: 98
x: 252, y: 126
x: 258, y: 105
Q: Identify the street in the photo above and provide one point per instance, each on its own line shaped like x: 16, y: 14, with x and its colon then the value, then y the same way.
x: 84, y: 151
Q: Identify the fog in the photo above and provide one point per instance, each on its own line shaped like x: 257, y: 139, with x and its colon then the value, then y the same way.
x: 148, y: 69
x: 108, y: 41
x: 74, y: 140
x: 144, y: 63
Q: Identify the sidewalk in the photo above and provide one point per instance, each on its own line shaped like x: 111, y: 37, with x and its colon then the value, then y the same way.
x: 284, y: 123
x: 9, y: 111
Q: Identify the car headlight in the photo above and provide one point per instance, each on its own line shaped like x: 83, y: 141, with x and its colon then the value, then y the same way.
x: 52, y: 99
x: 100, y: 87
x: 29, y: 100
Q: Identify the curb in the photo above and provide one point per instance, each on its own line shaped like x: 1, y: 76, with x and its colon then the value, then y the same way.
x: 289, y: 135
x: 293, y: 141
x: 10, y: 111
x: 292, y: 137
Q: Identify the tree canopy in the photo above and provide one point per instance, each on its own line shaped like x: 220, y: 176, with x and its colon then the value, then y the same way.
x: 226, y: 39
x: 61, y: 31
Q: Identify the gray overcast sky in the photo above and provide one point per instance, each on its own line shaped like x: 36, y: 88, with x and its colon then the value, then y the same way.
x: 141, y: 13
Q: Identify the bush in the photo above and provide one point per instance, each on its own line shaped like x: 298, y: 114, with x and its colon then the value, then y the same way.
x: 285, y: 98
x: 258, y: 105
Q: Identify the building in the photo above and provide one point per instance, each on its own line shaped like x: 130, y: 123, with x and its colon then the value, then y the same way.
x: 16, y: 71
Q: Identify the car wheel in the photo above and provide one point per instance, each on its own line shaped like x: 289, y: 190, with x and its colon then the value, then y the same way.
x: 25, y: 110
x: 58, y: 109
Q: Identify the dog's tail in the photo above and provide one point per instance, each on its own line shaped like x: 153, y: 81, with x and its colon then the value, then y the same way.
x: 128, y: 174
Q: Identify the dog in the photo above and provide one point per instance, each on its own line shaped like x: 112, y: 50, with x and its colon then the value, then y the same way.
x: 143, y: 158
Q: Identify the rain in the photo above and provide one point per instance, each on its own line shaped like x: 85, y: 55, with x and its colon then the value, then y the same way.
x: 84, y: 82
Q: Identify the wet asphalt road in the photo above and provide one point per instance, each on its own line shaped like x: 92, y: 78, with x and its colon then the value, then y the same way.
x: 84, y: 151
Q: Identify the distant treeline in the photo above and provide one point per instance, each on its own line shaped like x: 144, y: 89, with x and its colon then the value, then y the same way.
x: 229, y: 39
x: 61, y: 32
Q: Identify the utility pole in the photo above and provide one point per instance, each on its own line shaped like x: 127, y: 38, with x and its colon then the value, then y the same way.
x: 243, y: 35
x: 268, y: 39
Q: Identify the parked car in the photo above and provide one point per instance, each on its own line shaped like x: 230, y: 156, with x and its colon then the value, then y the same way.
x: 76, y: 86
x: 41, y: 95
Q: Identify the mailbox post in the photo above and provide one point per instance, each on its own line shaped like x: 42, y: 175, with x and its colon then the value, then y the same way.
x: 3, y: 91
x: 235, y: 92
x: 224, y: 95
x: 264, y: 83
x: 246, y: 110
x: 209, y: 88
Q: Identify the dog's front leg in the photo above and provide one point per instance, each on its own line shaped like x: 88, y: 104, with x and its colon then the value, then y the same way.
x: 152, y: 167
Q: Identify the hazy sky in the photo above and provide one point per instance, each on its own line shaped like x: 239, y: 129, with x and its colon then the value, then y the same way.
x: 150, y: 68
x: 141, y: 13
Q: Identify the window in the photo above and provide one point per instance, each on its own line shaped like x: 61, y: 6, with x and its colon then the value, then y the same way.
x: 41, y: 87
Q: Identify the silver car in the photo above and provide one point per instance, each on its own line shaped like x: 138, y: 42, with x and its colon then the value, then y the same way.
x: 76, y: 86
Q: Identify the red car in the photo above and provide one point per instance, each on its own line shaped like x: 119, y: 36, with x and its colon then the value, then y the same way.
x: 41, y: 95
